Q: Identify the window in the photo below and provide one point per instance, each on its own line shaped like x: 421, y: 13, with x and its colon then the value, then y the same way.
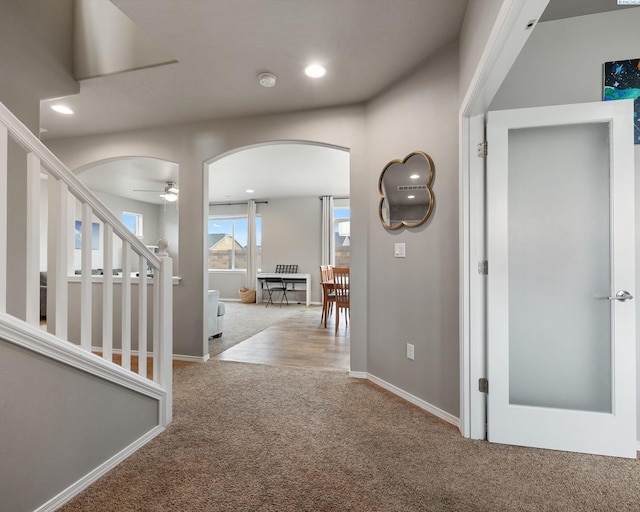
x: 133, y: 221
x: 342, y: 230
x: 227, y: 244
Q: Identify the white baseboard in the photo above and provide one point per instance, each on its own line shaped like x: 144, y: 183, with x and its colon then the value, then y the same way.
x: 432, y: 409
x: 191, y: 359
x: 101, y: 470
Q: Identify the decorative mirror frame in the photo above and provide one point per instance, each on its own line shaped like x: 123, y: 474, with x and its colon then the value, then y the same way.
x: 430, y: 195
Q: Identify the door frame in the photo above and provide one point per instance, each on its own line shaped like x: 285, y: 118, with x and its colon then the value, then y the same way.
x: 513, y: 26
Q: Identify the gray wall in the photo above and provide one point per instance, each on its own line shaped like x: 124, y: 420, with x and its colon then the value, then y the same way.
x: 562, y: 62
x: 58, y: 424
x: 415, y: 299
x: 191, y: 146
x: 291, y: 236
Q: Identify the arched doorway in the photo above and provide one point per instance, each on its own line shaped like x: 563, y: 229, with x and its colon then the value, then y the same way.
x: 286, y: 179
x: 134, y: 189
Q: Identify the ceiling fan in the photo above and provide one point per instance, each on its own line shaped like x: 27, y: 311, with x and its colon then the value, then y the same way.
x: 170, y: 192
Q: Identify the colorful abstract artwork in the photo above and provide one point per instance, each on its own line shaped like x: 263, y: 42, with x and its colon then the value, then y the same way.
x: 622, y: 82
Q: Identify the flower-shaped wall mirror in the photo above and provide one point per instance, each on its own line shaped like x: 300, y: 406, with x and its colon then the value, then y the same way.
x: 406, y: 197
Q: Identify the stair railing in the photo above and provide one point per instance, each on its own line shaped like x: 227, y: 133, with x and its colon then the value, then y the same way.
x: 64, y: 193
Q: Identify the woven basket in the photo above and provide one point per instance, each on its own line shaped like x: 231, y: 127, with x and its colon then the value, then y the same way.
x: 247, y: 296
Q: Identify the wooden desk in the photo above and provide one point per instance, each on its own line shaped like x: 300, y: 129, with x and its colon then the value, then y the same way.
x: 286, y: 278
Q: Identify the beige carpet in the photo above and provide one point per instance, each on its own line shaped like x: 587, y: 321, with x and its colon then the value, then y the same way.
x: 263, y: 438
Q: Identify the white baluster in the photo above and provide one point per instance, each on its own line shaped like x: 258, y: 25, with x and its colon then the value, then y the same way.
x: 107, y: 293
x: 86, y: 278
x: 126, y: 306
x: 142, y: 317
x: 156, y: 326
x: 33, y: 240
x: 57, y: 257
x: 4, y: 155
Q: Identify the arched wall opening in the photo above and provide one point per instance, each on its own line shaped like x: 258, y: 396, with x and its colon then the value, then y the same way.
x: 286, y: 178
x: 132, y: 188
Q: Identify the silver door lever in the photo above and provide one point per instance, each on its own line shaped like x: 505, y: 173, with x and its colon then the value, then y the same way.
x: 622, y: 295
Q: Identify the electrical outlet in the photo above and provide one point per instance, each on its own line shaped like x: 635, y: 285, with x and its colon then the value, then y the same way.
x: 409, y: 351
x: 400, y: 250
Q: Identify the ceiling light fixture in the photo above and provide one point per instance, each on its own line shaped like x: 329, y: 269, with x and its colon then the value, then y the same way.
x: 267, y: 79
x: 315, y: 71
x: 249, y: 191
x: 411, y: 197
x: 62, y: 109
x: 414, y: 176
x: 170, y: 192
x: 171, y: 197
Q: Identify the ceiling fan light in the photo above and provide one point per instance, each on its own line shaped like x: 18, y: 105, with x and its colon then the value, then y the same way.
x: 172, y: 197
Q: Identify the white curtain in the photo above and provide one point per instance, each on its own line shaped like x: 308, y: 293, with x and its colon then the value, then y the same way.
x: 328, y: 237
x: 252, y: 252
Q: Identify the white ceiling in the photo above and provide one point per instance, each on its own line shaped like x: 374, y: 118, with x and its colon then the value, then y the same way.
x: 222, y: 45
x: 277, y: 171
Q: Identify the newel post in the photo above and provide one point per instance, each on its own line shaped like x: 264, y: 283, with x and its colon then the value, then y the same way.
x: 166, y: 328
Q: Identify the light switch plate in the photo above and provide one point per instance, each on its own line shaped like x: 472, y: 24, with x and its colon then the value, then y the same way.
x: 400, y: 250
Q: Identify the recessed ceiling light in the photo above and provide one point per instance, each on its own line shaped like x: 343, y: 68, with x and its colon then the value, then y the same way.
x: 249, y: 191
x: 315, y: 71
x: 62, y: 109
x: 414, y: 176
x: 411, y: 197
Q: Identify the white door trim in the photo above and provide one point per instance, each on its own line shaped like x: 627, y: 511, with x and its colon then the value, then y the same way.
x: 509, y: 34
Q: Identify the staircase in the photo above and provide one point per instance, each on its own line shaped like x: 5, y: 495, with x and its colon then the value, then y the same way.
x: 137, y: 306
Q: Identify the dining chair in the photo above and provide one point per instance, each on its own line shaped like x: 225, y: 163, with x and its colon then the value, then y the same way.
x: 328, y: 295
x: 341, y: 288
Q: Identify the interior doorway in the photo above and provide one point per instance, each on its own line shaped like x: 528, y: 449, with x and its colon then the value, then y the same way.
x: 286, y: 181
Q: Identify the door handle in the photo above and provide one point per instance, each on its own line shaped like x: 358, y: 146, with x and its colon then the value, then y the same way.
x: 621, y: 295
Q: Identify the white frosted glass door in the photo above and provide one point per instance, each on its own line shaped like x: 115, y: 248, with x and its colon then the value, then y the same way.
x: 560, y: 244
x: 559, y: 267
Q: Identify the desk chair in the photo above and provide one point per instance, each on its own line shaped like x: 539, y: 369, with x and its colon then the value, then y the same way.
x: 276, y: 284
x: 288, y: 269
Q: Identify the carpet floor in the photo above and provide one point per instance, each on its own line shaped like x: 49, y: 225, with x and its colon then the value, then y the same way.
x: 249, y: 437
